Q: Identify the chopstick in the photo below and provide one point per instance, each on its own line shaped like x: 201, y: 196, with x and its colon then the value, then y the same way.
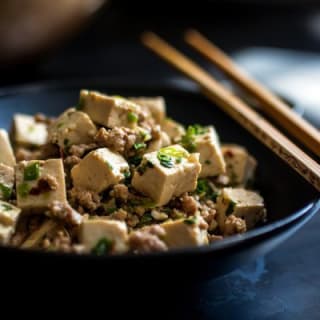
x: 238, y: 110
x: 279, y: 111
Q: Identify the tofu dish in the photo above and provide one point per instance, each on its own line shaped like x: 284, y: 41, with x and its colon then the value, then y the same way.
x: 115, y: 175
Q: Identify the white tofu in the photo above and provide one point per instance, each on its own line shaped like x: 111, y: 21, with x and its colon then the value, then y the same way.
x: 94, y: 230
x: 211, y: 158
x: 6, y: 155
x: 183, y: 233
x: 28, y: 132
x: 162, y: 180
x: 9, y: 215
x: 240, y: 165
x: 6, y: 181
x: 242, y: 203
x: 157, y: 144
x: 72, y: 127
x: 109, y: 111
x: 173, y: 129
x: 33, y: 191
x: 155, y: 105
x: 98, y: 170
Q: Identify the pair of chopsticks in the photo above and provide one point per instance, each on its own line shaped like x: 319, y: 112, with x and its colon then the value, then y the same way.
x: 239, y: 110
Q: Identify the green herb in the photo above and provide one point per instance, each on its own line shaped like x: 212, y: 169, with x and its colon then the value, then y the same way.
x: 23, y: 190
x: 111, y: 210
x: 191, y: 220
x: 132, y: 117
x: 109, y: 165
x: 204, y: 190
x: 147, y: 203
x: 6, y: 207
x: 167, y: 156
x: 145, y: 220
x: 145, y: 135
x: 231, y: 207
x: 188, y: 140
x: 102, y: 247
x: 59, y: 125
x: 144, y: 166
x: 32, y: 172
x: 138, y: 146
x: 6, y: 191
x: 165, y: 160
x: 135, y: 160
x: 127, y: 177
x: 207, y: 162
x: 81, y: 103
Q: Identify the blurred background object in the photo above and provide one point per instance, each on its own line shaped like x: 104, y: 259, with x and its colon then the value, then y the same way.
x: 30, y: 27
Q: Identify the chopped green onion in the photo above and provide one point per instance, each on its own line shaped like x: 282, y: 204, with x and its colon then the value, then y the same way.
x: 6, y: 191
x: 190, y: 220
x: 6, y: 207
x: 111, y: 210
x: 165, y: 160
x: 102, y: 247
x: 231, y: 207
x: 59, y: 125
x: 145, y: 220
x: 132, y: 117
x: 188, y: 140
x: 32, y: 172
x: 138, y: 146
x: 23, y: 190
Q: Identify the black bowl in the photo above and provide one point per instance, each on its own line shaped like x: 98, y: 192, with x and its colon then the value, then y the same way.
x: 290, y: 200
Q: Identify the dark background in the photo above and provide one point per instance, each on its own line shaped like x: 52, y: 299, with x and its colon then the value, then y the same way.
x: 285, y: 284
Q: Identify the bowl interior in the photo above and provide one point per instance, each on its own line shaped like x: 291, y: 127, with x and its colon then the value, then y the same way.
x: 284, y: 191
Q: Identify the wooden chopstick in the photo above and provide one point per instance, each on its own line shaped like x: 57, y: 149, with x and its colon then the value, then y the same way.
x: 279, y: 111
x: 238, y: 110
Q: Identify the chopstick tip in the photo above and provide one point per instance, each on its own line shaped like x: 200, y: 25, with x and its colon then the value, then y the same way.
x: 147, y: 37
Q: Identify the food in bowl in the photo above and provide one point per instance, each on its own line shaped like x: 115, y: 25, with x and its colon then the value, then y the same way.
x: 115, y: 175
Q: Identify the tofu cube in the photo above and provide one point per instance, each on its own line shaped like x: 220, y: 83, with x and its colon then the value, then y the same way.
x: 6, y: 155
x: 155, y: 105
x: 98, y: 170
x: 6, y: 181
x: 240, y: 165
x: 27, y: 132
x: 173, y: 129
x: 157, y: 144
x: 113, y: 233
x: 166, y: 173
x: 204, y: 140
x: 183, y: 233
x: 72, y: 127
x: 9, y: 215
x: 109, y: 111
x: 39, y: 184
x: 245, y: 204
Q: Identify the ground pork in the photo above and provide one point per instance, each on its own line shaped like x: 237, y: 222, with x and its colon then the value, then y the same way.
x: 79, y: 150
x: 71, y: 161
x: 85, y: 199
x: 209, y: 213
x: 120, y: 215
x: 189, y: 204
x: 45, y: 184
x: 234, y: 225
x: 120, y: 140
x: 44, y: 152
x: 120, y: 191
x: 147, y: 240
x: 64, y: 212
